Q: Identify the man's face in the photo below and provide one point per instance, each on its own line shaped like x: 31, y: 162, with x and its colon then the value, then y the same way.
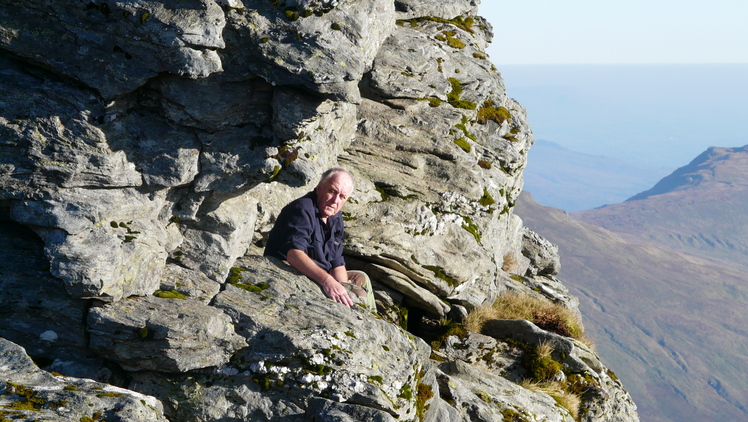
x: 332, y: 194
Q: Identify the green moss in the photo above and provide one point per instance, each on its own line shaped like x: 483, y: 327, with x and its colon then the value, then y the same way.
x: 540, y: 367
x: 454, y: 96
x: 335, y: 26
x: 114, y: 224
x: 489, y: 112
x: 292, y: 15
x: 483, y: 396
x: 144, y: 333
x: 463, y: 127
x: 440, y: 274
x: 402, y: 318
x: 350, y: 334
x: 169, y: 294
x: 434, y: 102
x: 276, y: 170
x: 70, y: 387
x: 486, y: 199
x: 385, y: 195
x: 424, y: 393
x: 511, y: 415
x: 174, y: 219
x: 455, y: 43
x: 29, y: 400
x: 406, y: 392
x: 144, y: 17
x: 386, y: 348
x: 448, y: 329
x: 264, y: 40
x: 463, y: 144
x: 479, y: 56
x: 375, y: 379
x: 235, y: 275
x: 235, y: 279
x: 465, y: 24
x: 109, y: 394
x: 471, y: 228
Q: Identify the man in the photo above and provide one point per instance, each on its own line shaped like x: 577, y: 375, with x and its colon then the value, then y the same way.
x: 309, y: 235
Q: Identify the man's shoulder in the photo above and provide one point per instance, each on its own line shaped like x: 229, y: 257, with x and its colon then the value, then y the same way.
x: 305, y: 204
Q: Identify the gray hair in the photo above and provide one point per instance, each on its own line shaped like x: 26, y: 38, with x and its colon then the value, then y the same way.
x: 330, y: 173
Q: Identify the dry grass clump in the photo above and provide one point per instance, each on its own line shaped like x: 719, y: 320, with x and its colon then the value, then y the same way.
x: 555, y: 389
x: 543, y: 313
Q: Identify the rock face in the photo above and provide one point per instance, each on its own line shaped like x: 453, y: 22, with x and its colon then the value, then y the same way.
x: 145, y: 150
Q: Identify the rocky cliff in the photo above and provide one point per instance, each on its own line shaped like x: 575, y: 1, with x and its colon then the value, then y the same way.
x: 145, y: 150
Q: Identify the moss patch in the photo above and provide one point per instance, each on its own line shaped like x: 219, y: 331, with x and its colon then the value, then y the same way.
x: 169, y: 294
x: 454, y: 96
x: 488, y: 111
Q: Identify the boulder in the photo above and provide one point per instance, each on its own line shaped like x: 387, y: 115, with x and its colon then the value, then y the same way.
x: 162, y: 334
x: 30, y: 393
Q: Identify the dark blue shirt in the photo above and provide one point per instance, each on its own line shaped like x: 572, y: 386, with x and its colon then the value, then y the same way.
x: 299, y: 226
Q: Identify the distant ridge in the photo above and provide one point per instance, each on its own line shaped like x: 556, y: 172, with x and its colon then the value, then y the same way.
x: 700, y: 208
x: 715, y: 166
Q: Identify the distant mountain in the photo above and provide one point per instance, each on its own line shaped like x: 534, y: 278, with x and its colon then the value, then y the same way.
x: 700, y: 208
x: 574, y: 181
x: 675, y: 326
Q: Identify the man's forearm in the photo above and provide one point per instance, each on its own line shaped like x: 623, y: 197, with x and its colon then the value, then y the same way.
x: 340, y: 273
x: 301, y: 261
x: 329, y: 282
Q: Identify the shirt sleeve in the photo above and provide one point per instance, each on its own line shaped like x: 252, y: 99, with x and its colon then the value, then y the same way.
x: 298, y: 231
x: 337, y: 234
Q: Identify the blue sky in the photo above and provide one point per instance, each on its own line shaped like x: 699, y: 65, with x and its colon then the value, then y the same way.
x: 616, y: 32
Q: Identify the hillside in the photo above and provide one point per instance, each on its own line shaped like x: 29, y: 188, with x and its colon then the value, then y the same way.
x: 699, y: 208
x: 672, y: 325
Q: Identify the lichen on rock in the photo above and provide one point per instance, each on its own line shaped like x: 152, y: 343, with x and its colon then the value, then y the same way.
x: 146, y: 150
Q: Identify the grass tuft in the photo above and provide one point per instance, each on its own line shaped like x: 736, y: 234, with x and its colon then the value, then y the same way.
x: 545, y: 314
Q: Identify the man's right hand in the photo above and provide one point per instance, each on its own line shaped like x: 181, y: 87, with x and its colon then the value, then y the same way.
x: 331, y: 287
x: 336, y: 292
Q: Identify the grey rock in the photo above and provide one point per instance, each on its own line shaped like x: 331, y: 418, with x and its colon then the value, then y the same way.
x: 102, y: 243
x: 168, y: 335
x: 327, y: 52
x: 150, y: 147
x: 445, y: 9
x: 543, y: 255
x: 193, y: 284
x: 34, y: 394
x: 115, y: 47
x: 605, y: 400
x: 328, y: 410
x: 35, y: 309
x: 483, y: 396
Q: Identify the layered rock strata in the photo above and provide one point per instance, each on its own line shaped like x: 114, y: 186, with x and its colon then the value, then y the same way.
x: 146, y: 148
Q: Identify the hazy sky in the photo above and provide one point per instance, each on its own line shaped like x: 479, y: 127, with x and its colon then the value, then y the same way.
x: 608, y: 31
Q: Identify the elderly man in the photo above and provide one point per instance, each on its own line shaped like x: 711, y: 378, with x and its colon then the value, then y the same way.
x: 309, y: 235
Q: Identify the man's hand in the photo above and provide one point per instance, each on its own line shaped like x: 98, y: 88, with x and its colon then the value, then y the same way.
x: 336, y: 292
x: 330, y: 286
